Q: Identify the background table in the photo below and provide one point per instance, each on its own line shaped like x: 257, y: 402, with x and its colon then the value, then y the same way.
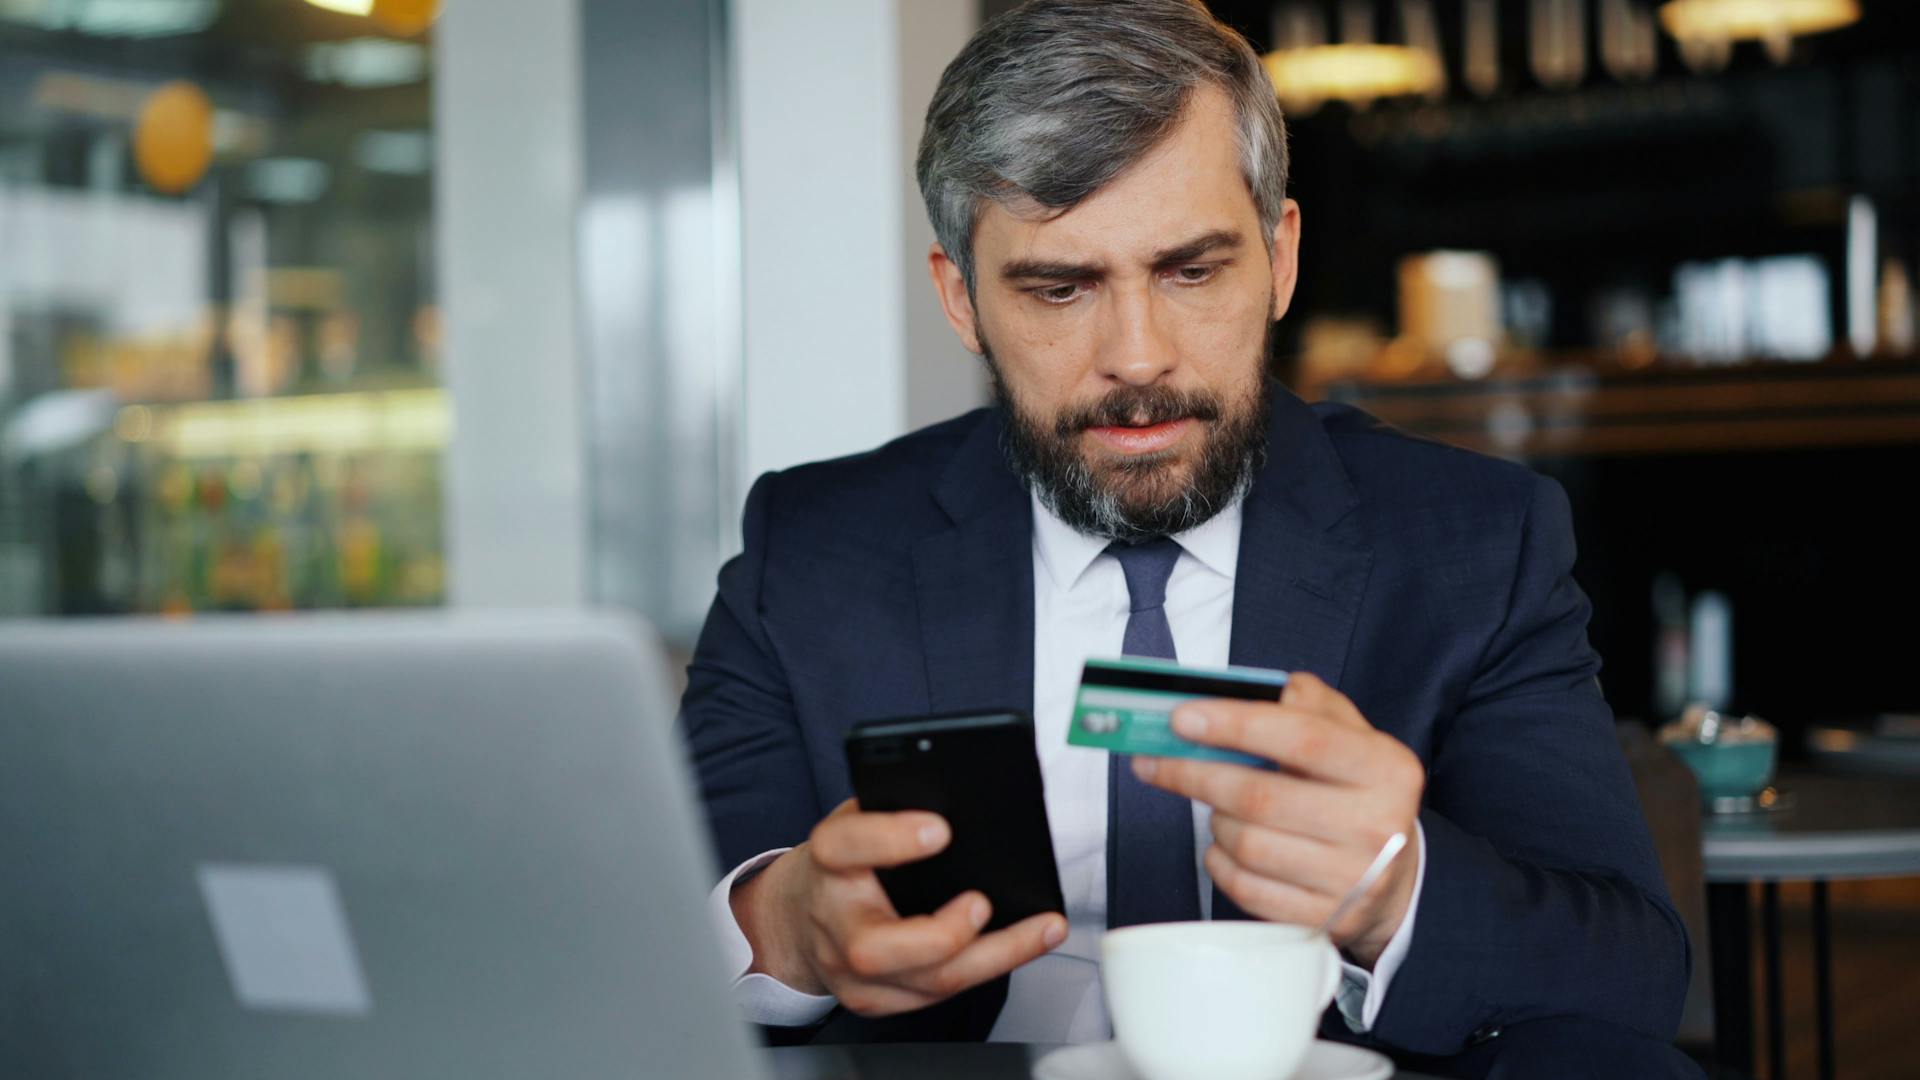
x: 921, y: 1061
x: 1871, y: 748
x: 1838, y: 827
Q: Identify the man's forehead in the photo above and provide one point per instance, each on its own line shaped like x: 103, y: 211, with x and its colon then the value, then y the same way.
x: 1189, y: 185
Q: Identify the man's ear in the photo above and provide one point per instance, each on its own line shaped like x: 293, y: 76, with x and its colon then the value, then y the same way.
x: 1286, y: 257
x: 954, y: 300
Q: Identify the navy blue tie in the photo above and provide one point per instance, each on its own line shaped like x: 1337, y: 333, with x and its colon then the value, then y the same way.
x: 1150, y: 869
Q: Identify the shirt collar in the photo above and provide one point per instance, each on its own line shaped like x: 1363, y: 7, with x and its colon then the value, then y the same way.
x: 1066, y: 552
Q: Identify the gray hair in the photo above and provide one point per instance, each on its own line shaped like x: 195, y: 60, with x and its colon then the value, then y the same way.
x: 1053, y: 100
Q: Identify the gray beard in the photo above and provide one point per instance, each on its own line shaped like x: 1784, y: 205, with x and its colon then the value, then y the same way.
x: 1048, y: 459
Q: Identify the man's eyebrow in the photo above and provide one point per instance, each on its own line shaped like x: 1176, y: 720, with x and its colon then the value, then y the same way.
x: 1187, y: 251
x: 1196, y: 247
x: 1044, y: 270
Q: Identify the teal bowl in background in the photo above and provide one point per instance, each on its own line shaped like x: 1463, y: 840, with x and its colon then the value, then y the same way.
x: 1729, y: 770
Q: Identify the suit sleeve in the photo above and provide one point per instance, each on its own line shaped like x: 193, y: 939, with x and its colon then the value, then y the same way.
x: 1542, y: 894
x: 738, y: 715
x: 739, y: 720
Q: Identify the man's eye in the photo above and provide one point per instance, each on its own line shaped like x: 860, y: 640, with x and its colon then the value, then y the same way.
x: 1194, y: 275
x: 1058, y: 294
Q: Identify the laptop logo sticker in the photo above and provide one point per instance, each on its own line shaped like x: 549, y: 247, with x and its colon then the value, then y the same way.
x: 283, y: 936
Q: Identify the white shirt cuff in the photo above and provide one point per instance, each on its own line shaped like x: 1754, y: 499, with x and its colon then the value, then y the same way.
x: 763, y: 998
x: 1363, y: 992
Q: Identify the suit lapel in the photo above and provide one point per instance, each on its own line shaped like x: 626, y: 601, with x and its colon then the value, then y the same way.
x: 974, y: 584
x: 974, y: 587
x: 1296, y: 596
x: 1302, y: 570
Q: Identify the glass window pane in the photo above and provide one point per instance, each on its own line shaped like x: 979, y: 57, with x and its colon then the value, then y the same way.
x: 219, y: 349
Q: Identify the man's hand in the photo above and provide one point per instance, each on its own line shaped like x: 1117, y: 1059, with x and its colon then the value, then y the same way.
x: 819, y: 921
x: 1288, y: 845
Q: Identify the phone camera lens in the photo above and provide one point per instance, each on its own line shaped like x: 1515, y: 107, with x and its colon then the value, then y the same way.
x: 925, y: 745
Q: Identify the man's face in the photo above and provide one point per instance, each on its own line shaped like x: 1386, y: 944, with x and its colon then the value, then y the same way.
x: 1127, y: 337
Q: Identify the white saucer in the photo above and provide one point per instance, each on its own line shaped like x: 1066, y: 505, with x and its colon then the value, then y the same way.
x: 1104, y: 1061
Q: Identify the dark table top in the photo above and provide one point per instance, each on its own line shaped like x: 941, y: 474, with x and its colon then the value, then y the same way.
x: 921, y: 1061
x: 1890, y: 747
x: 1832, y: 826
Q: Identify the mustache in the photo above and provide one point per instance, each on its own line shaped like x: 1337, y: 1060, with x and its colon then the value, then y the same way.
x: 1139, y: 406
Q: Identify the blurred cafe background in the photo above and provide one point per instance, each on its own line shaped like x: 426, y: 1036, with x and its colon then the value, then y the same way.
x: 311, y: 304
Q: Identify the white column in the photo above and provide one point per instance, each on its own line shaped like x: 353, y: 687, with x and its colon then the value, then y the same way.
x: 507, y: 179
x: 943, y: 379
x: 843, y: 342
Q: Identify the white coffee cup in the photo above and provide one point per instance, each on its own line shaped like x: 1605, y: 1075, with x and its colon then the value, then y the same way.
x: 1226, y: 1000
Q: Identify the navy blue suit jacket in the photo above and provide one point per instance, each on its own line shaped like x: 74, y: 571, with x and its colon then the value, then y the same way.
x: 1433, y: 586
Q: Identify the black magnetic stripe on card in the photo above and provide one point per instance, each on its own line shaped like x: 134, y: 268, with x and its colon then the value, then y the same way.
x: 1098, y: 674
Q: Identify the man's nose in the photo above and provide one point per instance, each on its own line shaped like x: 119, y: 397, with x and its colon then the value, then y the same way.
x: 1136, y: 347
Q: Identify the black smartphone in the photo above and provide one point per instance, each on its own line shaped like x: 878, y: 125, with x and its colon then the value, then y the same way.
x: 981, y: 772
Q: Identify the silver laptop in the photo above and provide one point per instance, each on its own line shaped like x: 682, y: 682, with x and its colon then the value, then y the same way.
x: 352, y: 846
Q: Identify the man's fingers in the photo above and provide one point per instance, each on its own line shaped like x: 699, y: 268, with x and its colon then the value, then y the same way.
x: 863, y: 841
x: 1299, y: 739
x: 1303, y: 806
x: 891, y: 946
x: 1308, y: 691
x: 880, y: 999
x: 1263, y: 897
x: 1311, y: 864
x: 993, y: 955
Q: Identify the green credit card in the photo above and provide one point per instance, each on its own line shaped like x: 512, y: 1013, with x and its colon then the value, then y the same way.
x: 1126, y: 705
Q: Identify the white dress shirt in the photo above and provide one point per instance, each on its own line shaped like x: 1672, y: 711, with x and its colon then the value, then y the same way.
x: 1080, y: 610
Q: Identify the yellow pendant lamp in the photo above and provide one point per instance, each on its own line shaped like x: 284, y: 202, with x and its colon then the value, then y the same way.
x: 1357, y: 73
x: 1306, y: 70
x: 404, y: 18
x: 173, y: 137
x: 1775, y: 22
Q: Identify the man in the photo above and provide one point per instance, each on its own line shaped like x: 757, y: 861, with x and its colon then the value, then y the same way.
x: 1107, y: 182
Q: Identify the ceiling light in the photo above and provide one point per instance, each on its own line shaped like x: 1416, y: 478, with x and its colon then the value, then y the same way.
x: 394, y: 421
x: 1358, y: 73
x: 114, y: 18
x: 287, y: 180
x: 1775, y: 22
x: 345, y: 7
x: 367, y: 62
x: 1306, y: 70
x: 400, y: 153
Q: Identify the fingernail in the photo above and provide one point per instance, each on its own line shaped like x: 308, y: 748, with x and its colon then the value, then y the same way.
x: 1190, y: 721
x: 932, y: 835
x: 1145, y: 767
x: 977, y: 912
x: 1056, y: 933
